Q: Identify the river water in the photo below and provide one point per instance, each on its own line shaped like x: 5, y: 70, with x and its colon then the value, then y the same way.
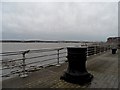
x: 26, y: 46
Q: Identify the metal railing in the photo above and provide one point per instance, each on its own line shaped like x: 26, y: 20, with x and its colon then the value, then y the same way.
x: 40, y: 59
x: 93, y: 50
x: 24, y: 62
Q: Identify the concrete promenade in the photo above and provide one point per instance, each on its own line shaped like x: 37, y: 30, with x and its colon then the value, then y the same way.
x: 104, y: 67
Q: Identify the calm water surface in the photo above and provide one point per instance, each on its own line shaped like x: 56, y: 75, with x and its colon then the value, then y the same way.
x: 26, y: 46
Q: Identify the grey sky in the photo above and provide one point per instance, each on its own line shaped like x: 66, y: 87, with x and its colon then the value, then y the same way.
x: 59, y: 20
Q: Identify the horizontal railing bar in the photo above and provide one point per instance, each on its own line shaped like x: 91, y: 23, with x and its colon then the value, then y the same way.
x: 42, y: 61
x: 13, y: 60
x: 40, y: 56
x: 11, y: 67
x: 45, y: 50
x: 44, y: 55
x: 62, y: 52
x: 31, y: 63
x: 5, y: 75
x: 31, y: 57
x: 10, y: 54
x: 63, y: 60
x: 31, y: 51
x: 62, y: 56
x: 46, y: 60
x: 53, y: 63
x: 17, y: 72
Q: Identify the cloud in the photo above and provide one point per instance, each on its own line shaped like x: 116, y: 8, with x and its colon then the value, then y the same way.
x: 60, y: 20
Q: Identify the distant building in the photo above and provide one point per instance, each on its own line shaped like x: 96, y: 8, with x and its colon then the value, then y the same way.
x: 114, y: 41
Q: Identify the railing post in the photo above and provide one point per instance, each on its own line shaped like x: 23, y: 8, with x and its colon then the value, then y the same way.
x: 24, y: 74
x: 104, y: 48
x: 58, y: 62
x: 100, y: 49
x: 94, y: 50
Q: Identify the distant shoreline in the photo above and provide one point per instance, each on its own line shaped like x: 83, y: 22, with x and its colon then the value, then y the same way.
x: 39, y: 41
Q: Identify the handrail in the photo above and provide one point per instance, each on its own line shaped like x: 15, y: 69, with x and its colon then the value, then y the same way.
x: 24, y: 63
x: 31, y: 51
x: 57, y: 55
